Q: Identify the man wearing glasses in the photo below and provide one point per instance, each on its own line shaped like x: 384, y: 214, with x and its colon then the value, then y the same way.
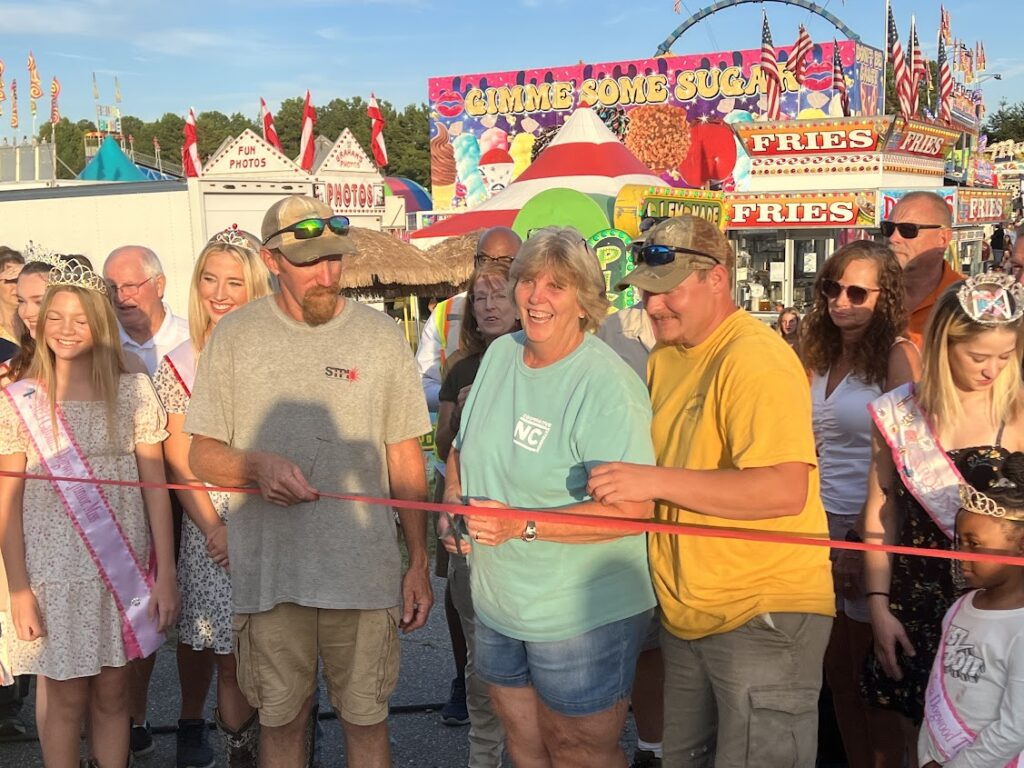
x: 744, y: 623
x: 136, y: 282
x: 307, y: 395
x: 920, y: 229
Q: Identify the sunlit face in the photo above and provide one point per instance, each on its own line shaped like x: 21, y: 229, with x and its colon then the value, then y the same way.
x: 137, y: 296
x: 928, y: 241
x: 977, y: 362
x: 493, y: 309
x: 29, y: 292
x: 313, y: 287
x: 788, y: 323
x: 847, y: 316
x: 548, y: 309
x: 222, y: 285
x: 66, y: 327
x: 684, y: 314
x: 983, y: 534
x: 8, y: 283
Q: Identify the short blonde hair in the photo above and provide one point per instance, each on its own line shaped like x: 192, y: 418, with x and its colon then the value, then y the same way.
x: 949, y: 324
x: 254, y: 273
x: 564, y: 252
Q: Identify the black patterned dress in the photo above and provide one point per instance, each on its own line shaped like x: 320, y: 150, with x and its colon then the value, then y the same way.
x: 922, y: 589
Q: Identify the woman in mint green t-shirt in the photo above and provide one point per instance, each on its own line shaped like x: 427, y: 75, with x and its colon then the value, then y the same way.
x: 561, y: 610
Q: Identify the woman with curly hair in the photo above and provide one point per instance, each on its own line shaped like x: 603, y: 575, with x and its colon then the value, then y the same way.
x: 850, y: 342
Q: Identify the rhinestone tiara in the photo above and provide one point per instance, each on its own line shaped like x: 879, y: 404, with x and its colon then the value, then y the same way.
x: 40, y: 255
x: 977, y: 502
x: 233, y: 236
x: 992, y: 299
x: 74, y: 273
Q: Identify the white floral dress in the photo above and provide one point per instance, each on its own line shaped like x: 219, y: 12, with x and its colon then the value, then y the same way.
x: 82, y: 622
x: 205, y: 587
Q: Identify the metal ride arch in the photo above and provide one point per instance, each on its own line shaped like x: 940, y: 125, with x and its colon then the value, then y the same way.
x: 719, y: 5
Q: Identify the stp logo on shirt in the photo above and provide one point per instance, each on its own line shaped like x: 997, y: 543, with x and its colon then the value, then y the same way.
x: 531, y: 432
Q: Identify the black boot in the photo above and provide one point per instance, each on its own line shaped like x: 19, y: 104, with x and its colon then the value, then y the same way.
x: 242, y: 745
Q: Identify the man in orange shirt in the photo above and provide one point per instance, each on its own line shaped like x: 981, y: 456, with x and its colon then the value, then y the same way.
x: 919, y: 231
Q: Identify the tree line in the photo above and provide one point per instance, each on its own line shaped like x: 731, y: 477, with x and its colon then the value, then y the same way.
x: 407, y: 134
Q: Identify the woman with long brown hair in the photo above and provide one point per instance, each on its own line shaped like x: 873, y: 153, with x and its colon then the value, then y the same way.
x: 850, y: 342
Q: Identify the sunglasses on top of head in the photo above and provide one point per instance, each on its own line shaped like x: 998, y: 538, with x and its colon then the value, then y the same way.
x: 307, y: 229
x: 857, y: 295
x: 657, y: 255
x: 907, y: 230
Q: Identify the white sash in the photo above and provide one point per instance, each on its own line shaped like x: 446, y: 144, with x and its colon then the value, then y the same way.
x: 119, y: 567
x: 182, y: 360
x: 925, y: 468
x: 949, y: 733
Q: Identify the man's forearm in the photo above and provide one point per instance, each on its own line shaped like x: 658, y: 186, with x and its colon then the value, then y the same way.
x: 215, y: 463
x: 760, y: 493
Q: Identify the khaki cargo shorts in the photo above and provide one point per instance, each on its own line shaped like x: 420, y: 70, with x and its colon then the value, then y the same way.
x: 277, y: 652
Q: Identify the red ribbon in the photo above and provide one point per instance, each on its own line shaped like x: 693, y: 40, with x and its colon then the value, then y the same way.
x: 626, y: 524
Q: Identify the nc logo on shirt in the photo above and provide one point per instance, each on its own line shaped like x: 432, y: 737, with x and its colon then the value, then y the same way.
x: 531, y: 432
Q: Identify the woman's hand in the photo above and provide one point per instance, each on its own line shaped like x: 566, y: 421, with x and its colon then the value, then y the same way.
x: 889, y: 633
x: 217, y: 546
x: 28, y: 620
x: 848, y: 573
x: 446, y: 535
x: 493, y: 531
x: 164, y: 603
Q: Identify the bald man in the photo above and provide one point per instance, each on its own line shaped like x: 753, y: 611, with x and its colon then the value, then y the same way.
x: 135, y: 279
x: 920, y: 229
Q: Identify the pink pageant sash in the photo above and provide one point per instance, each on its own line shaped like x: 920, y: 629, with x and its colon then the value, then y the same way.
x: 182, y: 360
x: 923, y: 465
x: 90, y: 513
x: 949, y: 733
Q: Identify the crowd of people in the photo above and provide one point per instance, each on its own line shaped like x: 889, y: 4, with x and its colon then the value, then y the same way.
x: 890, y: 414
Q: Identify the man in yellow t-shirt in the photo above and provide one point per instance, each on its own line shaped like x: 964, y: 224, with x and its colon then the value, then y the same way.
x: 745, y: 622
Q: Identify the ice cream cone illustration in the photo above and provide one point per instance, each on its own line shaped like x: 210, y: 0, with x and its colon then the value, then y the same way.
x: 442, y: 169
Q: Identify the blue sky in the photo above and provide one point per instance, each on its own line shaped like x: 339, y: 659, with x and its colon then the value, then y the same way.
x: 225, y: 54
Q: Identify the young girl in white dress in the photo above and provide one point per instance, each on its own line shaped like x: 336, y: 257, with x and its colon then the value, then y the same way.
x: 90, y: 567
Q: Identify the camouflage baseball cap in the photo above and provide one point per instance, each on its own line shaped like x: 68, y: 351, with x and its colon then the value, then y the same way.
x: 692, y: 244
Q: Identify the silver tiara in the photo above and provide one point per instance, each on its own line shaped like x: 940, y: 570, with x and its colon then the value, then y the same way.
x: 74, y: 273
x: 233, y: 236
x: 40, y: 255
x: 977, y: 502
x: 992, y: 299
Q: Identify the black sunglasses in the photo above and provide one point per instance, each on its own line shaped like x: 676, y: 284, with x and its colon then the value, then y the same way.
x: 482, y: 257
x: 855, y: 293
x: 907, y: 230
x: 307, y: 229
x: 659, y: 255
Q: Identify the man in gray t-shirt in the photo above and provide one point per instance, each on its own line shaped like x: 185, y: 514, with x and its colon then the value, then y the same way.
x: 304, y: 394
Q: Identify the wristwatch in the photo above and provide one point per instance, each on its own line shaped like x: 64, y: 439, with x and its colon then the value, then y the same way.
x: 529, y: 532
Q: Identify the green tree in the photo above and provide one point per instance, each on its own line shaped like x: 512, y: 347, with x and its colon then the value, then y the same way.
x: 1006, y: 123
x: 70, y: 146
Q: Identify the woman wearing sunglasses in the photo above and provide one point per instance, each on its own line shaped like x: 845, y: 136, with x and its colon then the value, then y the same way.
x: 965, y: 412
x: 561, y: 610
x: 852, y: 347
x: 228, y: 273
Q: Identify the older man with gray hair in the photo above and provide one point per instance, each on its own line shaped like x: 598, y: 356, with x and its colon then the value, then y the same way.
x: 136, y: 281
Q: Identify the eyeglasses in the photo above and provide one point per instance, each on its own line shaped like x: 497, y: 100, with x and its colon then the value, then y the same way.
x: 659, y: 255
x: 307, y: 229
x: 482, y: 258
x: 128, y: 290
x: 483, y: 298
x: 907, y: 230
x: 855, y: 293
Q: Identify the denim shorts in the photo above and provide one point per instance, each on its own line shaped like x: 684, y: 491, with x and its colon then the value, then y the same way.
x: 580, y: 676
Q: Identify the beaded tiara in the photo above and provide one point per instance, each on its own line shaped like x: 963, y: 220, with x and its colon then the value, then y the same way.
x: 992, y: 299
x: 233, y: 236
x: 74, y: 273
x: 977, y: 502
x: 39, y: 254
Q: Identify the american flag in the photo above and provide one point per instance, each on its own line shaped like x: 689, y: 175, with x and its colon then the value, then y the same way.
x: 945, y: 86
x: 900, y: 71
x: 797, y: 63
x: 772, y: 78
x: 918, y: 66
x: 839, y: 80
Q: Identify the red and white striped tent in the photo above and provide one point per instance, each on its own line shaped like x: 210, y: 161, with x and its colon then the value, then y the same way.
x: 584, y: 156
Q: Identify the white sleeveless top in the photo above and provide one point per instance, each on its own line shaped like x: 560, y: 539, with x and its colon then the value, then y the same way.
x: 842, y: 435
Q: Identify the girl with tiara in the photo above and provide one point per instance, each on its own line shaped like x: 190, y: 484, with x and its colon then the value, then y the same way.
x: 974, y: 707
x: 90, y: 589
x: 228, y: 273
x: 964, y: 413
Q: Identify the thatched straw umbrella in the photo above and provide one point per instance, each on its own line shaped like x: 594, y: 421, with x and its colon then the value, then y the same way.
x: 456, y: 255
x: 388, y: 268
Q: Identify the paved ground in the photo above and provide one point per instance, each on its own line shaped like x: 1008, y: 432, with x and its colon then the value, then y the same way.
x: 419, y: 738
